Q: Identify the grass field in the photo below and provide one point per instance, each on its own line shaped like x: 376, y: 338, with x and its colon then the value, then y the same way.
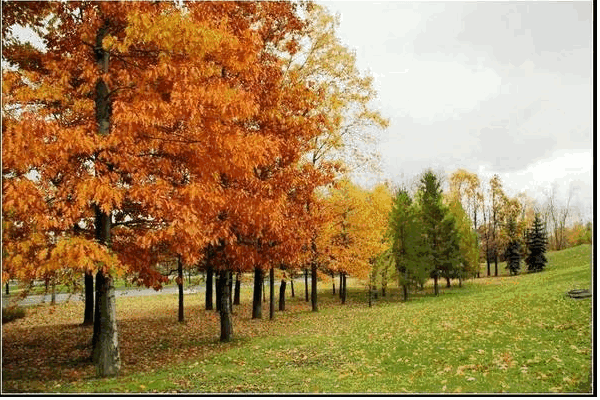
x: 506, y: 334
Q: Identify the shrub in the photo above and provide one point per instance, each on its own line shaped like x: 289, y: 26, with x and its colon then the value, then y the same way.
x: 12, y: 313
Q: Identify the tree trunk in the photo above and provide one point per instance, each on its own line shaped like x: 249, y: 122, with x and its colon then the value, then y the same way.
x: 53, y: 295
x: 282, y: 295
x: 313, y: 287
x: 292, y: 287
x: 341, y: 285
x: 333, y: 282
x: 180, y: 285
x: 436, y: 289
x: 459, y: 281
x: 236, y: 295
x: 106, y: 349
x: 447, y: 282
x: 370, y: 295
x: 271, y: 293
x: 218, y: 291
x: 225, y: 307
x: 489, y: 265
x: 405, y: 292
x: 306, y: 283
x: 88, y: 313
x: 230, y: 283
x: 209, y: 288
x: 257, y: 296
x: 7, y: 291
x: 264, y: 291
x: 343, y: 288
x: 495, y: 264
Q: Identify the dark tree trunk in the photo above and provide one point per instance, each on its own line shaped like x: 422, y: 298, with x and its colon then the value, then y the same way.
x: 343, y: 288
x: 382, y: 290
x: 180, y: 285
x: 7, y: 291
x: 333, y: 282
x: 225, y: 307
x: 313, y: 287
x: 264, y: 291
x: 459, y: 281
x: 436, y: 289
x: 495, y: 264
x: 341, y: 285
x: 257, y: 297
x: 271, y: 293
x: 236, y: 295
x: 405, y: 292
x: 53, y: 294
x: 447, y: 282
x: 282, y: 295
x: 489, y: 265
x: 209, y: 288
x: 370, y: 295
x: 105, y: 353
x: 306, y: 283
x: 106, y: 347
x: 88, y: 313
x: 230, y: 283
x: 219, y: 291
x: 292, y: 287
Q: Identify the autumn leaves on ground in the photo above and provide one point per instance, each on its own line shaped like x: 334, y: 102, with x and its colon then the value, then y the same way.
x: 505, y: 334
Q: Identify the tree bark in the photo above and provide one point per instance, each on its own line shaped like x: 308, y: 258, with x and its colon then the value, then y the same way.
x: 447, y: 282
x: 313, y: 287
x: 271, y: 293
x: 496, y: 264
x: 436, y: 289
x: 106, y: 349
x: 180, y: 285
x: 282, y: 295
x: 306, y: 283
x: 219, y: 291
x: 405, y: 285
x: 230, y: 283
x: 225, y: 307
x: 209, y: 288
x: 341, y: 285
x: 236, y: 296
x: 343, y: 288
x: 292, y: 287
x: 257, y: 296
x: 7, y: 291
x: 333, y: 282
x: 53, y: 294
x: 88, y: 313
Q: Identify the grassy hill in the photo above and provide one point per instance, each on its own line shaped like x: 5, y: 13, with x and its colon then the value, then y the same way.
x: 507, y: 334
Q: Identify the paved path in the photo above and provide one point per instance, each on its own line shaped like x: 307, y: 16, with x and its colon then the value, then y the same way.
x: 122, y: 292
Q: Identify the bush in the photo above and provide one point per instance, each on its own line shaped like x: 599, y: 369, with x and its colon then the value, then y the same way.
x: 12, y: 313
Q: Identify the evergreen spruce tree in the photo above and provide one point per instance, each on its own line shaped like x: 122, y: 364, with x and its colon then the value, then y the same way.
x: 408, y: 248
x: 513, y: 250
x: 536, y: 245
x: 432, y: 214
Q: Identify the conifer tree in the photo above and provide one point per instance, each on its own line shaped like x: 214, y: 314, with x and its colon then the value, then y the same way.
x: 536, y: 246
x: 513, y: 250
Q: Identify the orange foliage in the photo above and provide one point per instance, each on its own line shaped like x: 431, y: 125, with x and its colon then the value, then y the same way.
x: 204, y: 147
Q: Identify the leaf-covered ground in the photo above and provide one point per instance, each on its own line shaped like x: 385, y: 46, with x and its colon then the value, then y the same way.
x: 506, y: 334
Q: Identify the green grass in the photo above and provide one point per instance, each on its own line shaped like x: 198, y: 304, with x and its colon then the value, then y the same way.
x: 507, y: 334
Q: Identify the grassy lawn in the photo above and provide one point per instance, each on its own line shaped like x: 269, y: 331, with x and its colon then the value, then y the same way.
x: 506, y: 334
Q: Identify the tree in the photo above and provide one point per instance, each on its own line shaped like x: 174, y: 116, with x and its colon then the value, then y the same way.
x: 157, y: 126
x: 468, y: 260
x: 407, y: 245
x: 513, y: 250
x: 536, y: 246
x: 329, y: 68
x: 436, y: 228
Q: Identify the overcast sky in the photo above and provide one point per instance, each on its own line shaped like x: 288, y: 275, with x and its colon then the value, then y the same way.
x: 492, y: 87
